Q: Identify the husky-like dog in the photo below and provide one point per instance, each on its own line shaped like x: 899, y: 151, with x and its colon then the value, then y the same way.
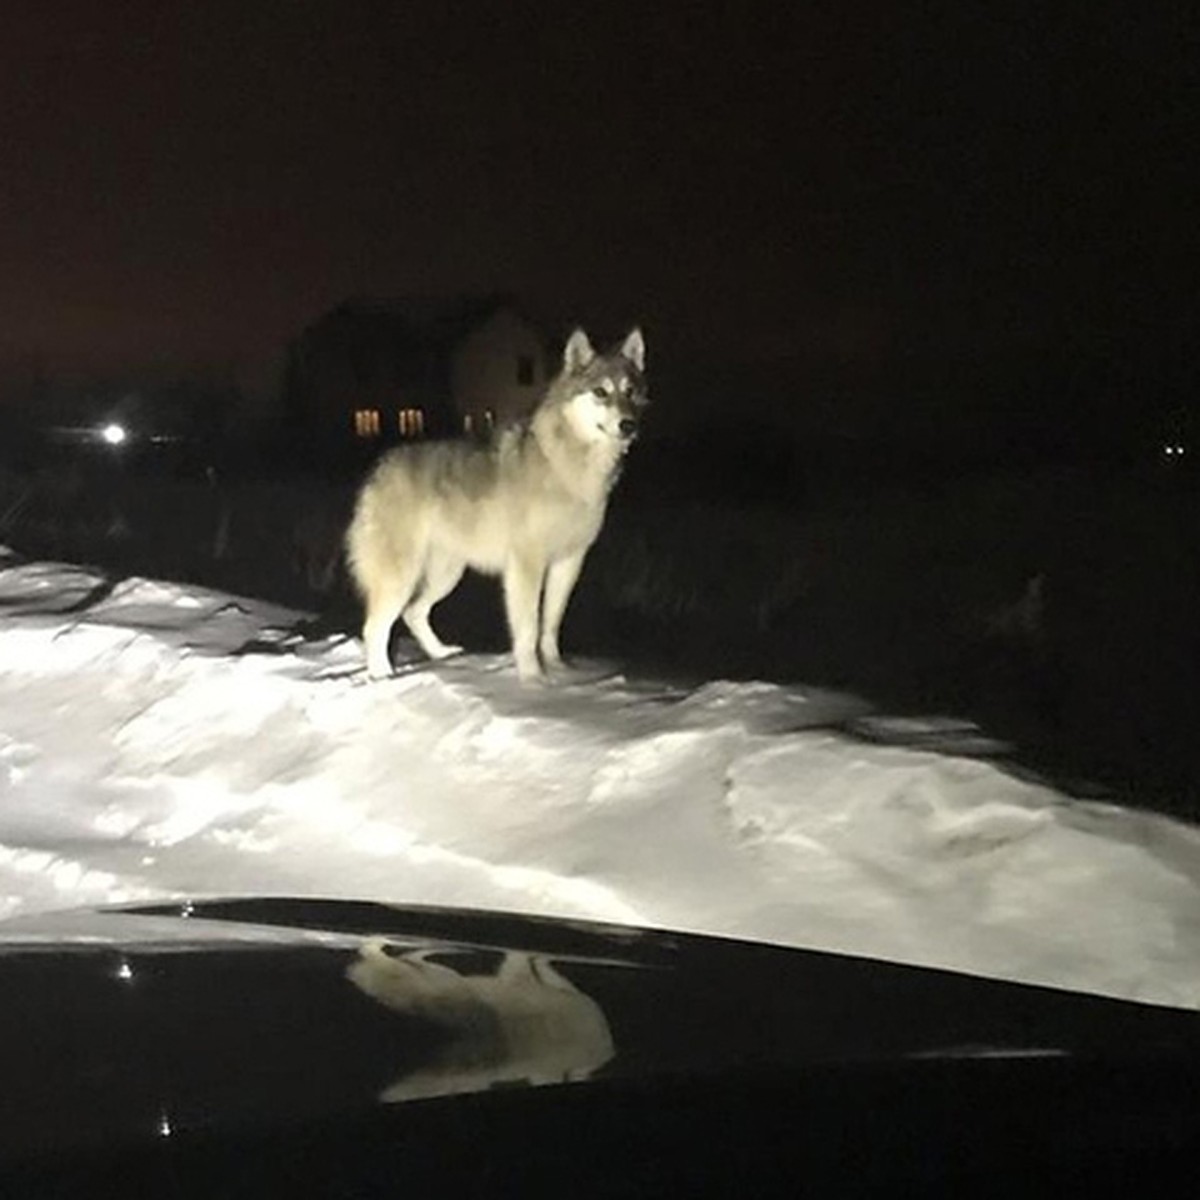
x: 527, y: 506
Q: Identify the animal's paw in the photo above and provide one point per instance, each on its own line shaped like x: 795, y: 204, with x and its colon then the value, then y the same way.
x: 444, y: 651
x: 552, y: 659
x: 531, y: 674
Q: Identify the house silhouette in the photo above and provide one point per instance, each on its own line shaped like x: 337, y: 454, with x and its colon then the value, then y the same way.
x: 374, y: 371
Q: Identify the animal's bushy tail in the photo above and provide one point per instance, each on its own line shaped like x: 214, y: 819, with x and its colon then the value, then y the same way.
x: 355, y: 543
x: 381, y: 543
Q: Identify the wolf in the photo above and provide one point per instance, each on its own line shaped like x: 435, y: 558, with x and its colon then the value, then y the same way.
x: 525, y: 505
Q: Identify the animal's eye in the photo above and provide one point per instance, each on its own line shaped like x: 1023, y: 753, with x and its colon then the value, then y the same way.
x: 602, y: 392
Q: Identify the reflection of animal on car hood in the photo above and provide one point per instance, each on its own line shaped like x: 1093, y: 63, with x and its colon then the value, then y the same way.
x: 527, y: 1023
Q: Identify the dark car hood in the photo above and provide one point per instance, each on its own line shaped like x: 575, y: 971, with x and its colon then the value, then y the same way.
x: 213, y: 1015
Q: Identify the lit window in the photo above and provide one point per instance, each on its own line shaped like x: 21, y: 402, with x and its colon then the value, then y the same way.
x: 479, y: 423
x: 366, y: 422
x: 525, y: 370
x: 410, y: 422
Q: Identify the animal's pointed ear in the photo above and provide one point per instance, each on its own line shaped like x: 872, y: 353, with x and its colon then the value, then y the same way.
x: 634, y: 349
x: 578, y: 352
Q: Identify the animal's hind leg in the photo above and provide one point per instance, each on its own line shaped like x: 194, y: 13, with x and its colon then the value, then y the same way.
x: 442, y: 573
x: 384, y: 603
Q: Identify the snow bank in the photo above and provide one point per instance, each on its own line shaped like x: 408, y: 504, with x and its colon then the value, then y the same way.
x: 160, y: 740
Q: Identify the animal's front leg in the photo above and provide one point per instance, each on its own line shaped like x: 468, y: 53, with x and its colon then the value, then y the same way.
x: 560, y: 583
x: 522, y: 591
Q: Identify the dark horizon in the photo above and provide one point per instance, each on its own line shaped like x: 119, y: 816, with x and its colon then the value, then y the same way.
x: 195, y: 186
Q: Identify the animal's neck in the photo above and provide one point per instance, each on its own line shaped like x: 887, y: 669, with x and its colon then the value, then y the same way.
x: 587, y: 470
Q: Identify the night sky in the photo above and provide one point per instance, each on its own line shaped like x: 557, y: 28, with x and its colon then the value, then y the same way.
x: 193, y: 183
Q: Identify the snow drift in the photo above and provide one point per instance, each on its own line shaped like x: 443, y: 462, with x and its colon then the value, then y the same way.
x: 160, y: 740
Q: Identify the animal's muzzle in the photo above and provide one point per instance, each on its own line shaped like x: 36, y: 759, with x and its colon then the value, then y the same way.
x: 628, y: 427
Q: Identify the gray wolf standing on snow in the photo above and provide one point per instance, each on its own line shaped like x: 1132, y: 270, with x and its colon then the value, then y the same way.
x: 526, y: 506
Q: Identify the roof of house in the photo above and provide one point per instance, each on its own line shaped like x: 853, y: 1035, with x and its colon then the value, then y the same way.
x: 422, y: 320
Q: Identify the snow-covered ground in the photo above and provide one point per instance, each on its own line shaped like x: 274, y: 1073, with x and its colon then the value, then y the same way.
x: 159, y: 740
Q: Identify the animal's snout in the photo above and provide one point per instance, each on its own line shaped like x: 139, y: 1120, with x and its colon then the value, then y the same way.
x: 628, y: 426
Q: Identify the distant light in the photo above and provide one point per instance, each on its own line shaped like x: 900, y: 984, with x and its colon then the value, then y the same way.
x: 124, y: 971
x: 114, y: 434
x: 164, y: 1126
